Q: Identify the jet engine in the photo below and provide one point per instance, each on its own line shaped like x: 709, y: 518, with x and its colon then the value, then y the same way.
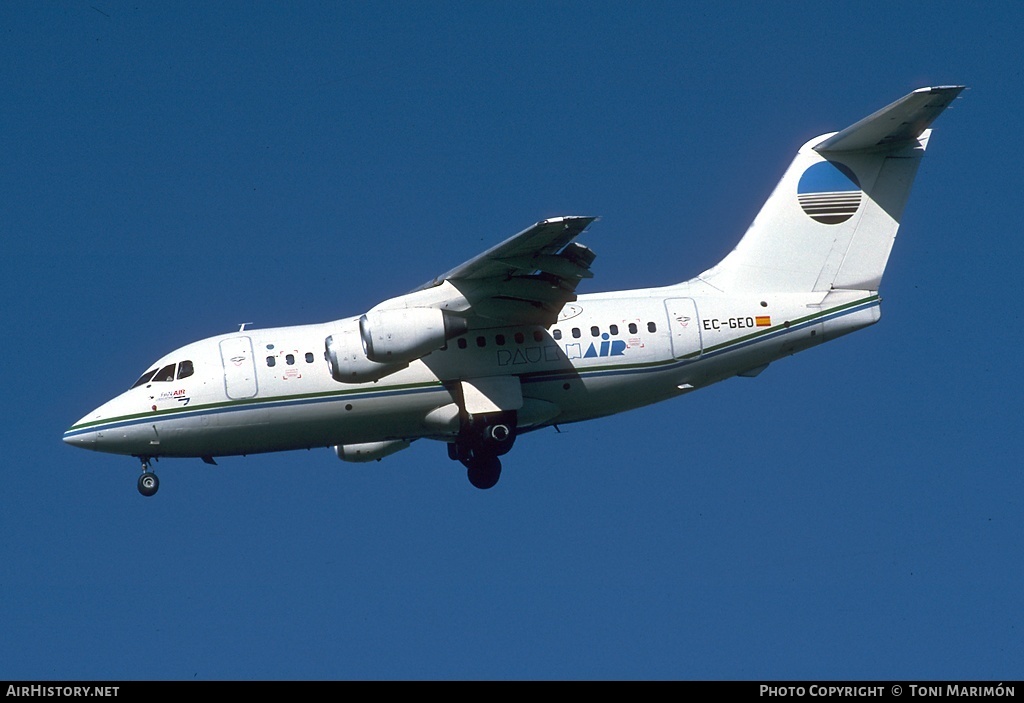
x: 403, y: 335
x: 382, y: 342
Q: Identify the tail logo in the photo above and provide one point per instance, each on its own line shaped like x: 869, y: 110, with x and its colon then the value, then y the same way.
x: 829, y: 192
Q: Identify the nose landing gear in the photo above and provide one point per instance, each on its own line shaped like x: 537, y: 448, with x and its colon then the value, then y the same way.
x: 148, y: 482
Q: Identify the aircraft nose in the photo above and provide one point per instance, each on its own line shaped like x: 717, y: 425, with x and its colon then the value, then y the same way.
x: 86, y: 440
x: 108, y: 429
x: 80, y: 435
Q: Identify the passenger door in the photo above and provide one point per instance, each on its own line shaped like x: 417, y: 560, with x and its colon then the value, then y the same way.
x: 684, y: 327
x: 239, y: 367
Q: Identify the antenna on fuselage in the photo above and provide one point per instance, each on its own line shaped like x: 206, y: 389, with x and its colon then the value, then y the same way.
x: 241, y: 327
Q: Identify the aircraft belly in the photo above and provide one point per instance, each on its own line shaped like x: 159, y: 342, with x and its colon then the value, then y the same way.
x: 600, y: 390
x: 217, y: 433
x: 138, y: 438
x: 590, y: 396
x: 279, y: 425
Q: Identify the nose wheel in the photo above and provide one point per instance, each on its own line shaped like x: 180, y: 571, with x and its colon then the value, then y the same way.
x: 148, y: 482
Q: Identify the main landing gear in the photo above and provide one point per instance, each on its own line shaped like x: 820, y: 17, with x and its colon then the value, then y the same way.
x: 148, y: 481
x: 479, y: 444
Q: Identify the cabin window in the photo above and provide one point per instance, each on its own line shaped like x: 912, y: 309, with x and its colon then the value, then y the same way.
x: 462, y: 342
x: 271, y: 360
x: 289, y: 359
x: 557, y: 334
x: 499, y: 339
x: 481, y: 341
x: 309, y: 357
x: 632, y: 328
x: 145, y: 378
x: 651, y: 327
x: 595, y: 331
x: 575, y: 332
x: 520, y: 338
x: 538, y: 336
x: 613, y: 330
x: 185, y: 370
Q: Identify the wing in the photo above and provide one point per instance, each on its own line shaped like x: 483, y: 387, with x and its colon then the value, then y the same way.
x: 522, y: 281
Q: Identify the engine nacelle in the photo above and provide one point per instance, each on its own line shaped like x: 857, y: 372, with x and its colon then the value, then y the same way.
x: 382, y: 342
x: 369, y: 451
x: 405, y: 334
x: 347, y: 360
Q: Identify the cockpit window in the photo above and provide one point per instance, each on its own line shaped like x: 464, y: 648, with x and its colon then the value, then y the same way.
x: 164, y: 374
x: 144, y: 378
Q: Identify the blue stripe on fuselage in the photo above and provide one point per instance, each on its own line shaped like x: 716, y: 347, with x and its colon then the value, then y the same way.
x: 537, y: 377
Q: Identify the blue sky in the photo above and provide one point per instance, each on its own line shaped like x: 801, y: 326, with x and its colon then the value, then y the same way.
x: 173, y: 170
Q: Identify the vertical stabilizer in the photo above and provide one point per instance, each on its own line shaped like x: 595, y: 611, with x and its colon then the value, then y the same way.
x: 831, y: 221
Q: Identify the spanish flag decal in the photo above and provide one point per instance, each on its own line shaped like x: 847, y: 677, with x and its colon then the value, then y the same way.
x: 763, y: 320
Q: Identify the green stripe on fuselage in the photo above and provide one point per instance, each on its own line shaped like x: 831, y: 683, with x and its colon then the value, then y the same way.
x: 355, y: 392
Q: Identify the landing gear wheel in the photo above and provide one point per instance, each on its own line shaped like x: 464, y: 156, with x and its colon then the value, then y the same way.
x: 484, y: 471
x: 499, y: 438
x: 148, y: 484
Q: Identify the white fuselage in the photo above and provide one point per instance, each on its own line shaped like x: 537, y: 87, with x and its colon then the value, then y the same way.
x: 264, y: 390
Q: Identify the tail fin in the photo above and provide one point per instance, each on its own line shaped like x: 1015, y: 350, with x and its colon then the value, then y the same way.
x: 832, y: 219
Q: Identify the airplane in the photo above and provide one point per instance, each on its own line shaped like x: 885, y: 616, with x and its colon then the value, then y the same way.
x: 502, y: 345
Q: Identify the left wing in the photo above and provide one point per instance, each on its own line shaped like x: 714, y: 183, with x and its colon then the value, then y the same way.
x: 522, y: 281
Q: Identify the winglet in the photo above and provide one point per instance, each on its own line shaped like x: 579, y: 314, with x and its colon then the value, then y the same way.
x: 895, y: 125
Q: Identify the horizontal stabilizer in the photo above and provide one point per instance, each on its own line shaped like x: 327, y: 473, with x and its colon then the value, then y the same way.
x: 895, y: 125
